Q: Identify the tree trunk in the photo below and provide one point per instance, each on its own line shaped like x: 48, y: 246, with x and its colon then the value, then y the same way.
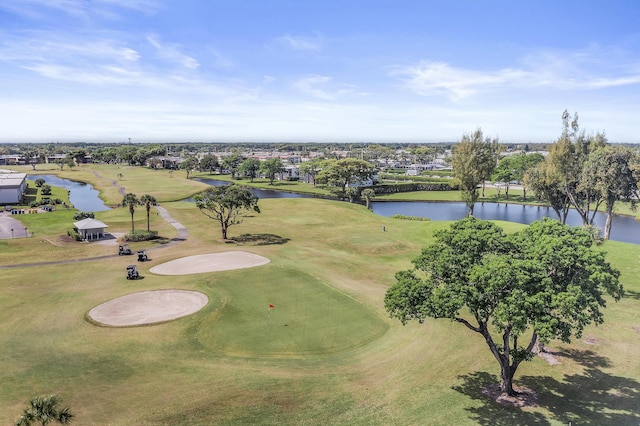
x: 224, y: 231
x: 506, y: 379
x: 607, y: 224
x: 148, y: 220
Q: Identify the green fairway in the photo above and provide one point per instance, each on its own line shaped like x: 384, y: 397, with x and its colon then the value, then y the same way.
x: 326, y: 353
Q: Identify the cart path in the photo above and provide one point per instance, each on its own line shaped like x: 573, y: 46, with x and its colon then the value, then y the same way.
x: 183, y: 233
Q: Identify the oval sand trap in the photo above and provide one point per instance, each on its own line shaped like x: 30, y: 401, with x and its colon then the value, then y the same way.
x: 148, y: 307
x: 211, y: 262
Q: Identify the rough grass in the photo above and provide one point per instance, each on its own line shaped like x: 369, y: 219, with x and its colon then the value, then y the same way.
x: 339, y: 361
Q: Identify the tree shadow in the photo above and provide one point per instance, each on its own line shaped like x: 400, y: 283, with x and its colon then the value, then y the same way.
x: 632, y: 294
x: 491, y: 412
x: 259, y: 239
x: 592, y: 397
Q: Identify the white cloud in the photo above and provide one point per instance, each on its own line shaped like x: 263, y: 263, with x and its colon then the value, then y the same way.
x: 320, y: 87
x: 588, y: 69
x: 302, y: 43
x: 171, y: 52
x: 41, y: 9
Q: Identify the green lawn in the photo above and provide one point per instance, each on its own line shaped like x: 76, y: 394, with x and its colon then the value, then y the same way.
x: 326, y: 354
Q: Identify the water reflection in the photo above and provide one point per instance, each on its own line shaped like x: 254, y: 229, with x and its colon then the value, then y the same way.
x: 82, y: 195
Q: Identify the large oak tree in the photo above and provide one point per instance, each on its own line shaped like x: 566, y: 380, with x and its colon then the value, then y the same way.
x: 544, y: 282
x: 227, y: 204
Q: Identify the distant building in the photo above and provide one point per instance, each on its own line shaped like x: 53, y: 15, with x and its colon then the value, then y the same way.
x: 12, y: 186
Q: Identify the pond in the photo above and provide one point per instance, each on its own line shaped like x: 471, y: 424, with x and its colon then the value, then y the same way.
x: 82, y: 195
x: 623, y: 228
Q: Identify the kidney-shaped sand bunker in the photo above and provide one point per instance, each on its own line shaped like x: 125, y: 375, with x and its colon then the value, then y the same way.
x: 148, y: 307
x: 211, y: 262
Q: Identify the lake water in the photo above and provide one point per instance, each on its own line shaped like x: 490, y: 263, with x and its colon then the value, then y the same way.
x: 82, y: 195
x: 623, y: 228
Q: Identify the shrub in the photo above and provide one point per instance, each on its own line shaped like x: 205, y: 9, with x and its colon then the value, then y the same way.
x: 403, y: 217
x: 45, y: 190
x: 40, y: 182
x: 141, y: 236
x: 83, y: 215
x: 73, y: 233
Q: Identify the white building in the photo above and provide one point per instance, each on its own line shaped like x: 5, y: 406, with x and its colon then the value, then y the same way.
x: 90, y: 229
x: 12, y: 186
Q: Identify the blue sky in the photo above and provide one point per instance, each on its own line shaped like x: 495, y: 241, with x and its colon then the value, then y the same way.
x: 316, y: 71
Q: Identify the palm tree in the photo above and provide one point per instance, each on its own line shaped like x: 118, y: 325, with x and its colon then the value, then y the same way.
x: 148, y: 201
x: 44, y: 409
x: 130, y: 200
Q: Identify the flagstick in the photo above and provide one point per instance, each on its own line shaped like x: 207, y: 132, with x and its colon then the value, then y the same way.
x: 269, y: 317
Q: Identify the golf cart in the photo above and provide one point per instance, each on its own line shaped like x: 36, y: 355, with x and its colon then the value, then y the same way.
x: 132, y: 272
x: 142, y: 256
x: 124, y: 250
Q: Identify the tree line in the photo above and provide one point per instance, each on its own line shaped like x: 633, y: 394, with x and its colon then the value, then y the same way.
x: 581, y: 171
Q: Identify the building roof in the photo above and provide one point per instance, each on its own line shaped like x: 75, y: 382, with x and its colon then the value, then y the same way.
x: 10, y: 179
x: 89, y: 223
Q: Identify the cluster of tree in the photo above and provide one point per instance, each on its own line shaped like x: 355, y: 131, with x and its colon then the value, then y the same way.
x: 583, y: 172
x: 515, y: 290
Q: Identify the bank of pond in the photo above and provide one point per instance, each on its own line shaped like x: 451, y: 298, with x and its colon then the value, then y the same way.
x: 624, y: 228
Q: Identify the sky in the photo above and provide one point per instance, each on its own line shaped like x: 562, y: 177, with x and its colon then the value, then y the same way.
x: 375, y: 71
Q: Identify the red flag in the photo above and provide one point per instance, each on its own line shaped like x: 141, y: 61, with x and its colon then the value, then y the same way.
x: 271, y: 306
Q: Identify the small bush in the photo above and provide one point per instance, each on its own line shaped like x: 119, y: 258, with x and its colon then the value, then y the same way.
x: 45, y: 190
x: 83, y: 215
x: 403, y: 217
x: 141, y: 236
x: 73, y: 233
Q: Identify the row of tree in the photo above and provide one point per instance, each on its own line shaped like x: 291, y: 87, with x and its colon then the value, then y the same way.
x: 581, y: 171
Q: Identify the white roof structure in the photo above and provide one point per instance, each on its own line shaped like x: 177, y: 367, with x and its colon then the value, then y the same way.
x: 89, y: 223
x: 10, y: 179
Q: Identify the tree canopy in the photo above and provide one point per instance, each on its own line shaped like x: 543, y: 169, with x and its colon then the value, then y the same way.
x: 271, y: 167
x: 544, y: 282
x: 473, y: 160
x: 345, y: 171
x: 227, y: 204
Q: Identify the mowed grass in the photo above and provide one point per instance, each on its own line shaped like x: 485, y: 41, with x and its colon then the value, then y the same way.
x: 338, y: 360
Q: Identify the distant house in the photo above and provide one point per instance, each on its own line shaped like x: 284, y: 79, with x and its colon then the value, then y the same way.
x: 12, y: 186
x: 90, y: 229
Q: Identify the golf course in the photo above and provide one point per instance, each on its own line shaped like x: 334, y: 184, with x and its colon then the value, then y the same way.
x: 302, y: 338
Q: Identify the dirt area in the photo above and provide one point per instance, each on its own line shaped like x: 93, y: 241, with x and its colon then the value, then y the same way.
x: 211, y: 262
x: 526, y: 397
x: 148, y: 307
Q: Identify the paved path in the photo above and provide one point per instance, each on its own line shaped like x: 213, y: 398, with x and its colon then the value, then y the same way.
x: 183, y: 233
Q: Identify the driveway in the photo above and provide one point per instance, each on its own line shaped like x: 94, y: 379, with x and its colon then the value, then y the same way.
x: 7, y: 224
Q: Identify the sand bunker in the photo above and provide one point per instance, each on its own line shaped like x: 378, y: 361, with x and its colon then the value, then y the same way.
x: 148, y: 307
x: 211, y: 262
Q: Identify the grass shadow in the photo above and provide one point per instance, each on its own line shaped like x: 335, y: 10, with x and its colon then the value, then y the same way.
x: 632, y: 294
x: 490, y: 412
x: 259, y: 239
x: 592, y: 397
